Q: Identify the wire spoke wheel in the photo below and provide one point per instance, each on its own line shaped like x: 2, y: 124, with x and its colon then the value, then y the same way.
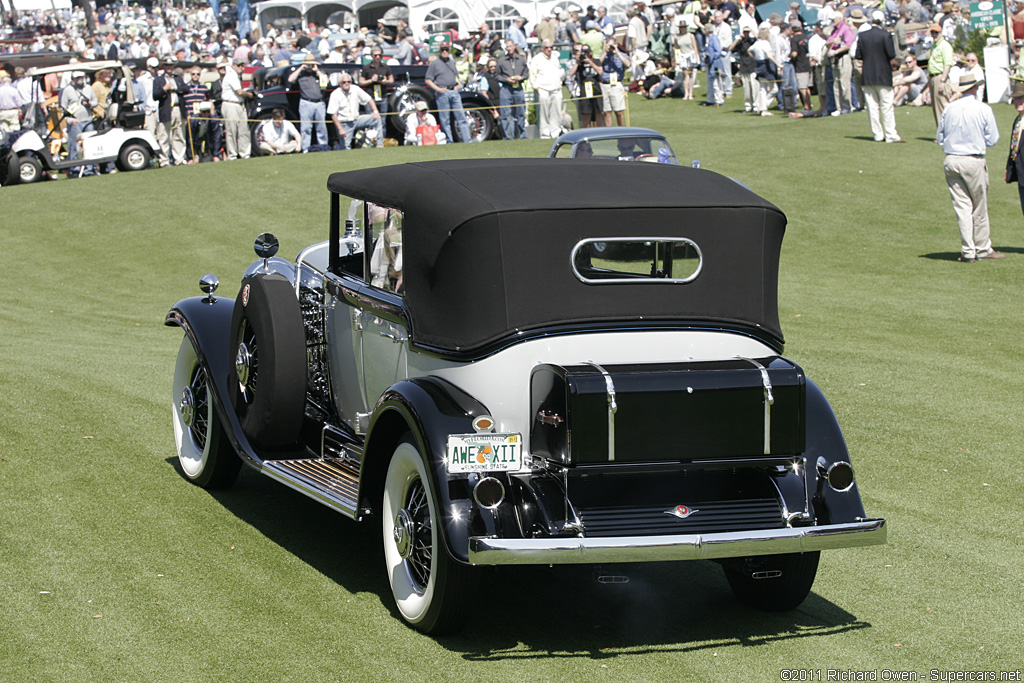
x: 431, y: 590
x: 204, y: 452
x: 247, y: 362
x: 200, y: 408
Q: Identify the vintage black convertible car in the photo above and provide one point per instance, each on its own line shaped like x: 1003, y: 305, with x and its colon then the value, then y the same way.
x: 458, y: 365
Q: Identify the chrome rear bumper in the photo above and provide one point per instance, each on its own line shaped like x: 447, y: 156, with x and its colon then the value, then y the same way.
x: 484, y: 550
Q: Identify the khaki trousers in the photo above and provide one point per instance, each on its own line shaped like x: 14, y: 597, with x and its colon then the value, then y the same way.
x: 236, y: 131
x: 171, y: 136
x: 967, y: 178
x: 152, y: 124
x: 941, y: 92
x: 842, y: 74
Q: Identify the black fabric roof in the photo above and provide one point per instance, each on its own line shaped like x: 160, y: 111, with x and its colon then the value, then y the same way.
x: 453, y: 192
x: 487, y: 243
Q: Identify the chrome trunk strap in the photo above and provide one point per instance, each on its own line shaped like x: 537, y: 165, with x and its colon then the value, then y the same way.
x: 612, y: 408
x: 768, y: 400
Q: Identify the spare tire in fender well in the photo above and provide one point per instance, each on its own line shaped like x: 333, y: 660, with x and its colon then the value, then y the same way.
x: 269, y: 344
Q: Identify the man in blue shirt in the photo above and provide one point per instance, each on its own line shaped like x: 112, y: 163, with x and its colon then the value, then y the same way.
x: 613, y: 68
x: 517, y: 34
x: 715, y: 57
x: 966, y: 128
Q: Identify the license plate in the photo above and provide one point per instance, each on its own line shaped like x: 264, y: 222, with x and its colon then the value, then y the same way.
x: 484, y: 453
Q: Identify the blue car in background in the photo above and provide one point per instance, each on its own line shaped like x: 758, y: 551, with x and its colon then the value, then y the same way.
x: 624, y: 143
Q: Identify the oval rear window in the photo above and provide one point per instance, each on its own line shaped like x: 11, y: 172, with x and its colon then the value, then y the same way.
x: 619, y: 260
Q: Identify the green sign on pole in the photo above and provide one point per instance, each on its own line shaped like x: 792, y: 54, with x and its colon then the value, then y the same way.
x: 986, y: 14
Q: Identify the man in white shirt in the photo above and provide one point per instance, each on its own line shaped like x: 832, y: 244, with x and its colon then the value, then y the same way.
x: 725, y: 37
x: 278, y: 136
x: 236, y: 126
x: 965, y: 129
x: 344, y: 107
x: 546, y: 76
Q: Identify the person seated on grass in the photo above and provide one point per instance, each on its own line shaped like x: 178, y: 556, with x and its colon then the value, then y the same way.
x: 278, y: 136
x: 656, y: 83
x: 909, y: 83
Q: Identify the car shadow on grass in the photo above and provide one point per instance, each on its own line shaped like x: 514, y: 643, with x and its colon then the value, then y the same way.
x: 564, y: 612
x: 536, y: 612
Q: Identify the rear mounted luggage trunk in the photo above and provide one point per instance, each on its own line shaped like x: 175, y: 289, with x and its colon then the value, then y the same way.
x: 697, y: 412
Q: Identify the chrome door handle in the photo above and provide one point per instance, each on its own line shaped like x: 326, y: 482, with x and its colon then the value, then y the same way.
x: 393, y: 336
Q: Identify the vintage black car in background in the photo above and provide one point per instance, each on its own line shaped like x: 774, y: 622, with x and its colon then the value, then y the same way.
x: 273, y: 91
x: 457, y: 365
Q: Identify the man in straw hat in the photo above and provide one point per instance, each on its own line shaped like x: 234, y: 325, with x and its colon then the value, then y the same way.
x: 966, y: 127
x: 940, y: 61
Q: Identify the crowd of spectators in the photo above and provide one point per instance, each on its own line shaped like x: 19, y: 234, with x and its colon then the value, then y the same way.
x: 189, y: 72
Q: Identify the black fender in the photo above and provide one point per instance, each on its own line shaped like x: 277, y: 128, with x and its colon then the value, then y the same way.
x: 431, y: 409
x: 207, y: 323
x: 825, y: 441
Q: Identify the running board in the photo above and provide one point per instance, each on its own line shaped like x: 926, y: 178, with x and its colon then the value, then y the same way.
x: 331, y: 481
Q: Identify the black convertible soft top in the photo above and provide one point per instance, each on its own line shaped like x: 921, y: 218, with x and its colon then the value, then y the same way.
x: 487, y: 244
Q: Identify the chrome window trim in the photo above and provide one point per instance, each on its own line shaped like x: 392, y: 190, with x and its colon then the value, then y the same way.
x: 635, y: 280
x: 302, y: 257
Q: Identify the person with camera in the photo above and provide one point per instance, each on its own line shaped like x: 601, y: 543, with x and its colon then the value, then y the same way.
x: 376, y: 78
x: 585, y: 78
x: 312, y: 108
x: 613, y: 95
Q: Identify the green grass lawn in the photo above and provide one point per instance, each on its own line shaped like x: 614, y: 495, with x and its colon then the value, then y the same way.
x: 114, y: 568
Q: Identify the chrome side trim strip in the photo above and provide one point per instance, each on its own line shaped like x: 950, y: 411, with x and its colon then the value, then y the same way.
x: 613, y: 407
x: 495, y: 551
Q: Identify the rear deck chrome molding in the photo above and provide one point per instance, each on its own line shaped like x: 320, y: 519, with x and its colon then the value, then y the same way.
x: 613, y: 407
x: 769, y: 400
x: 495, y: 551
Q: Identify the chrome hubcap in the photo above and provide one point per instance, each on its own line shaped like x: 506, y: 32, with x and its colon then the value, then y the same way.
x: 404, y: 533
x: 243, y: 365
x: 187, y: 405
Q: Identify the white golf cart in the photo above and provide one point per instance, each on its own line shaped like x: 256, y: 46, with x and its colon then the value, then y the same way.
x: 119, y: 136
